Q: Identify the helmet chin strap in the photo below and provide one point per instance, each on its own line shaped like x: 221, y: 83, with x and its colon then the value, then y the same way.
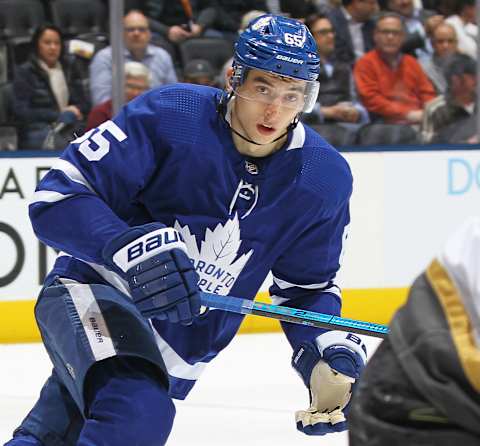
x: 222, y: 109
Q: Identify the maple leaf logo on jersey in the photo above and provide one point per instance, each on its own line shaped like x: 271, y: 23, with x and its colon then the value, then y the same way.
x: 216, y: 262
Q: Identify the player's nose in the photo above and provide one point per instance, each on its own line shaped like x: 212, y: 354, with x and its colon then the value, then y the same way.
x: 272, y: 109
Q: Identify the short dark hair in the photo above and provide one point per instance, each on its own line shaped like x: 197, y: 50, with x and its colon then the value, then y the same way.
x: 460, y: 4
x: 458, y: 64
x: 346, y: 2
x: 38, y: 33
x: 312, y: 18
x: 389, y: 15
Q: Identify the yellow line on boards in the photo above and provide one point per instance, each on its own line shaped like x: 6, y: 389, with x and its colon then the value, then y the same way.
x: 17, y: 323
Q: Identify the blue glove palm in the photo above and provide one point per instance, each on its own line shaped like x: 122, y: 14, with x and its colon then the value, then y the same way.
x: 329, y: 367
x: 153, y: 260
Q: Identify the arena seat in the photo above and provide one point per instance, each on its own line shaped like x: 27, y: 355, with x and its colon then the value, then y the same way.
x: 336, y: 135
x: 3, y: 62
x: 77, y: 17
x: 8, y: 137
x: 8, y: 132
x: 19, y: 18
x: 217, y: 51
x: 387, y: 134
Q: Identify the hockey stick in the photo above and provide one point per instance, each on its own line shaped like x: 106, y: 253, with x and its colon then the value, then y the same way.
x: 286, y: 314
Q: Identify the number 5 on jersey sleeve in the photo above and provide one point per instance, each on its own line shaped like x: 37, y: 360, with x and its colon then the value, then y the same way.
x: 93, y: 144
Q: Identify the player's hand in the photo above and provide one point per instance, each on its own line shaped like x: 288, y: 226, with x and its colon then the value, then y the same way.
x: 153, y: 260
x: 329, y: 367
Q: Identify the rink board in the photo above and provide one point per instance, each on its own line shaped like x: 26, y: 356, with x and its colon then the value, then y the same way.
x: 406, y: 201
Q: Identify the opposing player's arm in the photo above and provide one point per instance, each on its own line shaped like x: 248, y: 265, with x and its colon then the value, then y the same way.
x: 79, y: 204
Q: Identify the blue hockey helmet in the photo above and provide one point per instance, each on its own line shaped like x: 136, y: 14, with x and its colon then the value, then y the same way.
x: 281, y: 46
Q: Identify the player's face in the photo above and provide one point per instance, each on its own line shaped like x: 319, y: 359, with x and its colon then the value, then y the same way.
x: 49, y: 47
x: 265, y: 105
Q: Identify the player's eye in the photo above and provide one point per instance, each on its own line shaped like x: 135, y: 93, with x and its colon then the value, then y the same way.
x: 262, y: 89
x: 291, y: 98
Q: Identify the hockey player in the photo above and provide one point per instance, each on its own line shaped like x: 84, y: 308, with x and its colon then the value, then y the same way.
x: 422, y: 385
x: 190, y: 188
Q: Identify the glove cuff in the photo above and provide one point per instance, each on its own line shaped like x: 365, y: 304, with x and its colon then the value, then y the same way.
x: 304, y: 359
x: 138, y: 244
x: 344, y: 352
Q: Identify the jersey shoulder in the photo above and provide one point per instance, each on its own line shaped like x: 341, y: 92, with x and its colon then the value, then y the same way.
x: 187, y: 99
x: 179, y: 112
x: 325, y: 172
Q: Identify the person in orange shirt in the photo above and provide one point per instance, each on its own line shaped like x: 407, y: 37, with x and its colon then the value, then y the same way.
x: 392, y: 85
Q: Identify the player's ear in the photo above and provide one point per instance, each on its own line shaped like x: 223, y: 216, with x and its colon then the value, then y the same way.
x: 229, y: 79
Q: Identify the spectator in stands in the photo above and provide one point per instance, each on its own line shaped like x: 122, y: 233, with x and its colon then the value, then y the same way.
x: 137, y: 81
x: 419, y: 24
x: 392, y: 85
x: 246, y: 19
x: 444, y: 42
x: 47, y: 91
x: 337, y: 98
x: 443, y: 7
x: 354, y: 27
x: 138, y: 49
x: 450, y: 118
x: 171, y: 25
x: 229, y: 13
x: 466, y: 27
x: 297, y: 9
x: 200, y: 72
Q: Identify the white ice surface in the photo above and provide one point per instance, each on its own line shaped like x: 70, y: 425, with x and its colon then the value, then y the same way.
x: 247, y: 396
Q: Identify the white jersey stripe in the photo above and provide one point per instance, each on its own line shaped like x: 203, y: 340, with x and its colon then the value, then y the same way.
x: 92, y: 319
x: 72, y: 173
x: 48, y: 196
x: 277, y: 300
x: 298, y: 137
x: 283, y: 284
x: 109, y: 276
x: 176, y: 366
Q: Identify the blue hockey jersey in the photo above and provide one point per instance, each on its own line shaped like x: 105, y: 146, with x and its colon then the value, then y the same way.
x: 168, y: 156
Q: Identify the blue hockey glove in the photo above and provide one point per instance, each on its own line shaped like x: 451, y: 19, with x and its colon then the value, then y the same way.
x: 153, y: 260
x: 329, y: 367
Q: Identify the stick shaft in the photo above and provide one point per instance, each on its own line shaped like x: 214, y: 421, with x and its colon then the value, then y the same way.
x: 293, y: 315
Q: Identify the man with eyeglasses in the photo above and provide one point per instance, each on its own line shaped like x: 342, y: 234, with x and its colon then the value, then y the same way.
x: 137, y: 49
x: 419, y: 24
x: 392, y: 85
x: 337, y: 102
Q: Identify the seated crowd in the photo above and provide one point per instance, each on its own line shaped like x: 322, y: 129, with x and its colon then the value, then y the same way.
x: 392, y: 71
